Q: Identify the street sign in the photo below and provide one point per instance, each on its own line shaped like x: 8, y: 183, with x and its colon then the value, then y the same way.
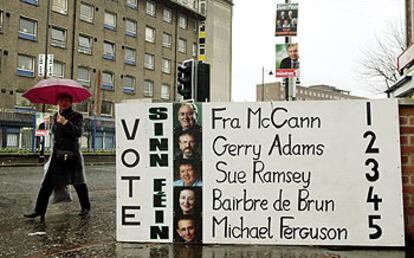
x: 41, y: 65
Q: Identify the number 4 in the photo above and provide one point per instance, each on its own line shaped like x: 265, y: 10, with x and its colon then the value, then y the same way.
x: 374, y: 198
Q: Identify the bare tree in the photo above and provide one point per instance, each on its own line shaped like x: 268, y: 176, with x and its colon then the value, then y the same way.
x: 378, y: 63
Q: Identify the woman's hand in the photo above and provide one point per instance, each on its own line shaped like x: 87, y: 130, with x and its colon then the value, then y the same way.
x: 61, y: 119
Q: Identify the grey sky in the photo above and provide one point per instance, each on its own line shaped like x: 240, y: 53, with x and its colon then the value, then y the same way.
x: 331, y: 36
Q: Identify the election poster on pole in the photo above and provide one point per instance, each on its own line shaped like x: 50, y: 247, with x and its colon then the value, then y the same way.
x: 271, y: 173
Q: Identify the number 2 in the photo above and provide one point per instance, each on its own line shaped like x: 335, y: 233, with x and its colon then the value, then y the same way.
x: 370, y: 148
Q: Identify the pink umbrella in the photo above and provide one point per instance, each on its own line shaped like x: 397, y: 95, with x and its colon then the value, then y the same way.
x: 46, y: 91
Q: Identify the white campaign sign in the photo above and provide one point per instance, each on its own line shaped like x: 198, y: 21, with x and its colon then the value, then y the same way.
x: 144, y: 186
x: 288, y: 173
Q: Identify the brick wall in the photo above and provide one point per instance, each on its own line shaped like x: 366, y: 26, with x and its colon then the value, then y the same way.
x: 407, y: 161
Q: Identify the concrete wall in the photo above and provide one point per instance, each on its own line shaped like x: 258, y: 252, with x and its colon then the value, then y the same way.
x: 219, y: 48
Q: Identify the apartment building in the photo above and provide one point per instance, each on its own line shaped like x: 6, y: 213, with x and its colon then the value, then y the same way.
x: 275, y: 92
x: 118, y: 49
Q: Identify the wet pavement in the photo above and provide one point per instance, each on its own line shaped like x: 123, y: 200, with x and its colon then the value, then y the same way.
x: 65, y: 234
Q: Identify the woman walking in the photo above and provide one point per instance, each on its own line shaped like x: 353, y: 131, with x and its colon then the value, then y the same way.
x: 66, y: 163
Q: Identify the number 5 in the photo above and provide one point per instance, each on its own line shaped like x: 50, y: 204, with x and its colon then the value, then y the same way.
x: 378, y: 230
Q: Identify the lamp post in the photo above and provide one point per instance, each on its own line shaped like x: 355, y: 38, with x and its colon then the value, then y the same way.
x: 43, y: 138
x: 263, y: 72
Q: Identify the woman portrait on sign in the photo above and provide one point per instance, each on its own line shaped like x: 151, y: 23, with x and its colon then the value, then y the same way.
x: 188, y: 200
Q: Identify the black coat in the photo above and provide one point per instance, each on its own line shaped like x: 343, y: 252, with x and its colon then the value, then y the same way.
x: 66, y: 137
x: 287, y: 63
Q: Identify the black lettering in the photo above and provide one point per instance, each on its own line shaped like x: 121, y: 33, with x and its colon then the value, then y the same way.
x: 160, y: 199
x: 128, y: 135
x: 132, y: 164
x: 158, y: 160
x: 158, y: 113
x: 125, y: 215
x: 275, y: 124
x: 158, y: 129
x: 159, y: 216
x: 159, y: 232
x: 160, y: 144
x: 131, y: 180
x: 214, y: 117
x: 158, y: 184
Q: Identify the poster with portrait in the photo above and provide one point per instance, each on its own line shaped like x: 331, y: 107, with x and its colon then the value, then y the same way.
x: 287, y: 60
x: 286, y: 19
x: 43, y: 123
x: 266, y: 173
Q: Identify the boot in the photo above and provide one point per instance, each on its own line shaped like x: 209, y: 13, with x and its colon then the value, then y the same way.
x: 83, y: 212
x: 83, y: 195
x: 34, y: 215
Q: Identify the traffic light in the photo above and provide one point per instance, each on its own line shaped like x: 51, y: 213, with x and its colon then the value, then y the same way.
x: 203, y: 82
x: 186, y: 73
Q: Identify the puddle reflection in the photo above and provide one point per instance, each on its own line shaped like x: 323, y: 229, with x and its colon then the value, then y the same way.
x: 231, y: 251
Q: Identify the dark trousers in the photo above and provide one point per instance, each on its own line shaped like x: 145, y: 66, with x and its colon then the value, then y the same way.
x: 46, y: 191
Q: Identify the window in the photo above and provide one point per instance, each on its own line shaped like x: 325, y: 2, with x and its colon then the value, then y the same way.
x: 109, y: 50
x: 84, y: 76
x: 110, y: 21
x: 130, y: 28
x: 28, y: 29
x: 106, y: 108
x: 182, y: 45
x: 166, y: 40
x: 1, y: 21
x: 195, y: 4
x: 166, y: 65
x: 85, y: 44
x: 20, y: 100
x: 165, y: 91
x: 167, y: 15
x: 58, y: 37
x: 195, y: 27
x: 109, y: 141
x: 149, y: 61
x: 149, y: 34
x: 86, y: 12
x: 203, y: 8
x: 132, y: 4
x: 32, y: 2
x: 58, y: 69
x: 25, y: 65
x: 150, y: 8
x: 129, y: 84
x: 12, y: 137
x: 82, y: 106
x: 99, y: 135
x: 194, y: 49
x: 182, y: 21
x: 148, y: 88
x: 129, y: 56
x: 107, y: 81
x: 60, y: 6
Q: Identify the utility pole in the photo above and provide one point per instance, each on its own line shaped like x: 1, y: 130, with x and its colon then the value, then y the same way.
x: 263, y: 84
x: 43, y: 138
x: 287, y: 81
